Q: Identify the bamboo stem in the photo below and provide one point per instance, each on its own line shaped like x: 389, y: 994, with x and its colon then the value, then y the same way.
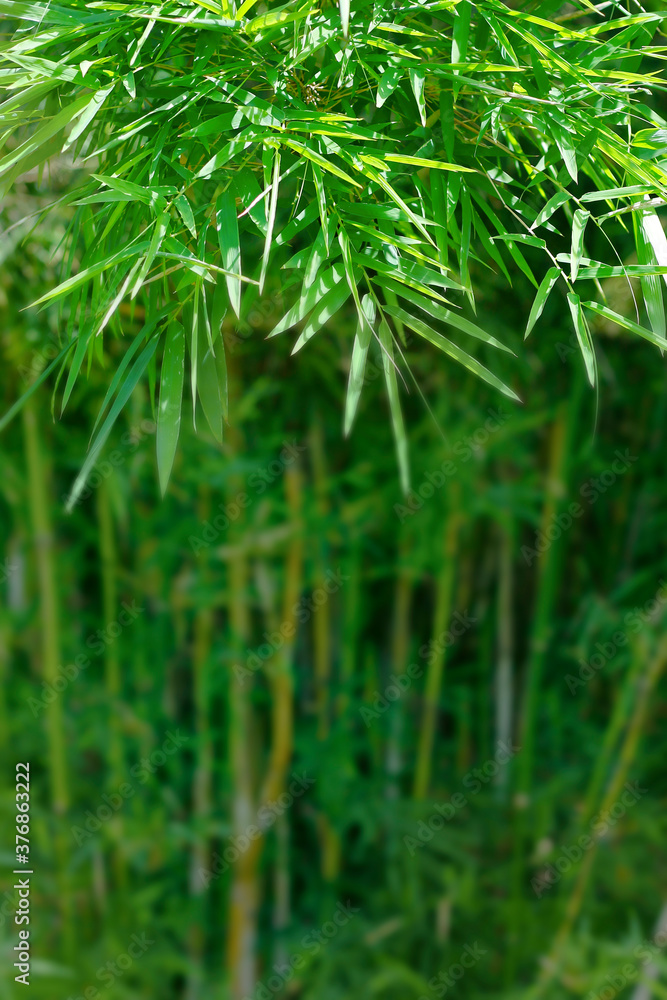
x: 436, y: 666
x: 646, y: 684
x: 42, y: 531
x: 203, y: 775
x: 504, y: 679
x: 112, y: 672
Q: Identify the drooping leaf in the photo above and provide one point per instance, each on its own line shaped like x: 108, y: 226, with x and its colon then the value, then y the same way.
x: 171, y: 398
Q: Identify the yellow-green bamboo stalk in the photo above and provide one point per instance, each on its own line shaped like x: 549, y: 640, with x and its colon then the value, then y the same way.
x: 202, y: 786
x: 241, y: 948
x: 112, y: 671
x: 435, y: 669
x: 504, y: 678
x: 646, y: 685
x: 56, y: 763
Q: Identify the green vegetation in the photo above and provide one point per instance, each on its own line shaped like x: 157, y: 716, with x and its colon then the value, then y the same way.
x: 345, y: 661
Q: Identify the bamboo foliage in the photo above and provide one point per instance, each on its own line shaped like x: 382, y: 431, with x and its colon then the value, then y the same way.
x: 213, y: 146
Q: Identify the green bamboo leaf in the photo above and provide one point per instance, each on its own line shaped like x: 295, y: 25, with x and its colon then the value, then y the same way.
x: 654, y: 235
x: 273, y: 204
x: 40, y: 138
x: 327, y: 307
x: 321, y: 202
x: 389, y: 365
x: 310, y: 296
x: 581, y: 217
x: 143, y: 335
x: 443, y: 315
x: 96, y: 103
x: 171, y: 398
x: 389, y: 81
x: 42, y: 377
x: 344, y: 7
x: 185, y: 211
x: 583, y: 336
x: 627, y: 324
x: 417, y: 77
x: 554, y: 203
x: 439, y: 202
x: 362, y: 341
x: 651, y: 284
x: 212, y: 384
x: 227, y: 225
x: 82, y: 342
x: 454, y: 352
x: 543, y: 292
x: 135, y: 373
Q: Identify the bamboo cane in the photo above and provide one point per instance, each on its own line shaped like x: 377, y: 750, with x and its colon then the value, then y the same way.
x: 435, y: 669
x: 42, y: 531
x: 112, y: 674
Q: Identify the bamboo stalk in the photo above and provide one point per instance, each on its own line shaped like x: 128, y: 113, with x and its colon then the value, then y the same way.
x: 243, y: 904
x: 435, y: 669
x: 112, y: 673
x: 645, y: 687
x: 504, y: 678
x: 400, y: 647
x: 351, y: 630
x: 202, y: 786
x: 281, y: 676
x: 322, y: 620
x: 549, y: 565
x: 42, y: 533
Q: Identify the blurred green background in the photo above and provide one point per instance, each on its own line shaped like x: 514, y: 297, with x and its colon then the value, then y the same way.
x: 292, y: 733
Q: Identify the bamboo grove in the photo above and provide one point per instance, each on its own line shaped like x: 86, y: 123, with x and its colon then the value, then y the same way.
x: 341, y: 668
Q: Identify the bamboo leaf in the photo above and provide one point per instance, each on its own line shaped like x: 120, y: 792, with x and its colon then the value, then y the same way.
x: 581, y: 217
x: 227, y: 226
x: 627, y: 324
x: 360, y: 347
x: 135, y: 373
x: 271, y: 220
x: 171, y: 397
x: 583, y: 336
x: 539, y: 302
x: 387, y: 344
x: 455, y: 352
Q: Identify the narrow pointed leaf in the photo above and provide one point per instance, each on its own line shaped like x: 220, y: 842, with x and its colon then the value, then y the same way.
x: 581, y: 217
x: 387, y: 344
x: 135, y: 373
x: 539, y: 302
x: 227, y: 226
x: 171, y: 398
x: 362, y: 341
x: 454, y: 352
x: 583, y: 336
